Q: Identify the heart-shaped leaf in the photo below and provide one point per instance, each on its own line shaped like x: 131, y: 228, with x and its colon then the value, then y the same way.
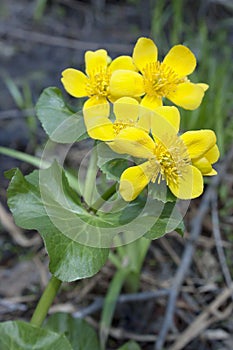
x: 69, y: 260
x: 45, y: 201
x: 111, y: 163
x: 79, y: 333
x: 19, y: 335
x: 169, y: 220
x: 59, y: 122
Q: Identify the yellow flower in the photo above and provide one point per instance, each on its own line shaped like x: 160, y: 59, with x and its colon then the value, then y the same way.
x: 159, y: 79
x: 95, y: 84
x: 179, y: 160
x: 126, y: 111
x: 205, y: 140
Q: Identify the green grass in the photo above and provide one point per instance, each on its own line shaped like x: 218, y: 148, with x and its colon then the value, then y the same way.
x: 216, y: 70
x: 178, y: 22
x: 22, y: 97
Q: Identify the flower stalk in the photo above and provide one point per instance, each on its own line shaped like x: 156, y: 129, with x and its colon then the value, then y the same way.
x: 45, y: 302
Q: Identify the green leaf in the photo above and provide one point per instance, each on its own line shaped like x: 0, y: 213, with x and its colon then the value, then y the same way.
x: 114, y: 168
x: 19, y: 335
x: 69, y: 260
x: 97, y: 230
x: 169, y: 220
x: 79, y: 333
x: 162, y: 193
x: 131, y: 345
x: 45, y: 201
x: 110, y: 163
x: 58, y: 121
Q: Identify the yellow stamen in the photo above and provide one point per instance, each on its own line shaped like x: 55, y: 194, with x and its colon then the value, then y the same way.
x: 169, y: 161
x: 98, y: 83
x: 159, y: 79
x: 120, y: 125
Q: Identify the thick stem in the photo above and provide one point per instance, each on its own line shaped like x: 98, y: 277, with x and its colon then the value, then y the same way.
x: 105, y: 196
x: 90, y: 181
x: 24, y: 157
x: 45, y: 301
x: 136, y: 252
x: 38, y: 162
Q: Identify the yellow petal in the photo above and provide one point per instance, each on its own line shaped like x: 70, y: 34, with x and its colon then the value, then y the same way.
x: 98, y: 125
x: 213, y: 154
x: 203, y: 165
x: 171, y: 114
x: 109, y: 60
x: 144, y: 118
x: 126, y: 83
x: 145, y: 51
x: 151, y: 102
x: 133, y: 141
x: 187, y: 95
x: 74, y: 82
x: 190, y: 184
x: 181, y: 60
x: 126, y: 109
x: 97, y: 105
x: 133, y: 180
x: 212, y: 173
x: 163, y: 130
x: 203, y: 86
x: 122, y: 62
x: 198, y: 142
x: 100, y: 128
x: 95, y: 61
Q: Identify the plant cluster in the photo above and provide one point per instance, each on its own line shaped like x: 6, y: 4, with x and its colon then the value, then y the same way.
x: 145, y: 164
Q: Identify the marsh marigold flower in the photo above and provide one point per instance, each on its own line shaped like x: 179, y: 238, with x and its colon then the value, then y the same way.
x: 95, y: 83
x: 181, y: 161
x: 126, y: 111
x: 159, y: 79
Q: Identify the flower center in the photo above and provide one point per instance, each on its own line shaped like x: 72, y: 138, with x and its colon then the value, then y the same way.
x: 119, y: 125
x: 98, y: 83
x: 159, y: 79
x: 171, y: 160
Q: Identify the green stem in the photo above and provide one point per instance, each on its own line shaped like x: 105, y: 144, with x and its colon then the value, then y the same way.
x: 115, y: 260
x: 24, y: 157
x: 39, y: 163
x: 45, y: 301
x: 89, y: 185
x: 105, y: 196
x: 110, y: 301
x: 136, y: 252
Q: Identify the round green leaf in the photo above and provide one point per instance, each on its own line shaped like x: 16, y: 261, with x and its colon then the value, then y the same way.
x: 79, y: 333
x: 131, y: 345
x: 111, y: 164
x: 19, y: 335
x: 58, y: 213
x: 169, y: 220
x: 59, y: 122
x: 69, y: 260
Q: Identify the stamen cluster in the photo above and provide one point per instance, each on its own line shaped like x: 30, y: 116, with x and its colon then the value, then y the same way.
x: 159, y: 79
x: 98, y: 83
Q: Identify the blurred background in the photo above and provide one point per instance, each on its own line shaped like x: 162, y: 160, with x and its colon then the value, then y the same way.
x: 39, y: 39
